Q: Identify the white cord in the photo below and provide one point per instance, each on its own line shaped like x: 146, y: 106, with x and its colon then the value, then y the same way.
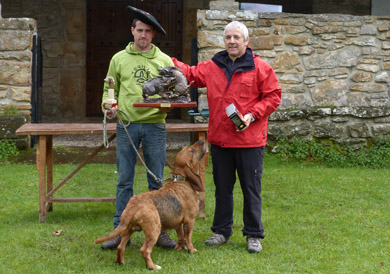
x: 106, y: 143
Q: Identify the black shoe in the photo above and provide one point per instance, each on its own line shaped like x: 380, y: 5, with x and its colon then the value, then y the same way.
x: 113, y: 243
x: 165, y: 241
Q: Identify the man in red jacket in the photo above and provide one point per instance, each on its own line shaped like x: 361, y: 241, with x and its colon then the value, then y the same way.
x: 237, y: 76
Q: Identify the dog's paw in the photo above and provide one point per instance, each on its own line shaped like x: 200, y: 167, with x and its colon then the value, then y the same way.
x: 155, y: 267
x: 192, y: 250
x: 118, y: 261
x: 179, y: 247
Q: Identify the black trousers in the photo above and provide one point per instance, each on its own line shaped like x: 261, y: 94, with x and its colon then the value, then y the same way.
x: 248, y: 163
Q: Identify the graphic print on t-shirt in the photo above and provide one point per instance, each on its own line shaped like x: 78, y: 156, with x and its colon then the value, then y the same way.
x: 141, y: 74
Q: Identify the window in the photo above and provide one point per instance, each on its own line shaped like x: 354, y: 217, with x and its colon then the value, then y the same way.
x: 260, y: 7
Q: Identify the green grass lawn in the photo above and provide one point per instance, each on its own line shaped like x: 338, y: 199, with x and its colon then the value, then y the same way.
x: 317, y: 220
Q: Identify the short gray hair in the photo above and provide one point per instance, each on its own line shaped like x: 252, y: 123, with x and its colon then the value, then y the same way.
x: 241, y: 26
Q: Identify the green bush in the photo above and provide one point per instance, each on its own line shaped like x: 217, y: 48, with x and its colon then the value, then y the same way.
x: 9, y: 111
x: 335, y: 155
x: 7, y: 148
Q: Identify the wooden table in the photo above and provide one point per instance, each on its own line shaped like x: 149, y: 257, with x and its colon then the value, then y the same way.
x: 44, y: 157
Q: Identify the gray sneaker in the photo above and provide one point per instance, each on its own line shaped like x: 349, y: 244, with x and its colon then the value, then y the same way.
x: 217, y: 239
x: 165, y: 241
x: 113, y: 243
x: 254, y: 245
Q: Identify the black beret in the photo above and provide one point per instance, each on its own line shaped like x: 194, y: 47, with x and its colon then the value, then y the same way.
x: 146, y: 18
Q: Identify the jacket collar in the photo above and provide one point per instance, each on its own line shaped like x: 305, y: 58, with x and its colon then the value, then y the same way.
x: 221, y: 58
x: 244, y: 63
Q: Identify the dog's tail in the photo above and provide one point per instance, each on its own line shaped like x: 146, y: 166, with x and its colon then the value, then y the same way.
x: 117, y: 231
x: 123, y: 225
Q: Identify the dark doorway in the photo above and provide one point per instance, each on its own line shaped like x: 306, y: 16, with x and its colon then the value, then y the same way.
x: 108, y: 27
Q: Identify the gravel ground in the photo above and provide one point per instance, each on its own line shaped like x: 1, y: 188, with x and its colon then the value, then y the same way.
x: 174, y: 140
x: 76, y: 148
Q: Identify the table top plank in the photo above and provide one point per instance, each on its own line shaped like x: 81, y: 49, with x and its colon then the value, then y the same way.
x: 95, y: 128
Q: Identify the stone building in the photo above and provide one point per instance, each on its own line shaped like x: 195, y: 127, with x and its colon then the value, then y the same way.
x: 333, y: 68
x: 16, y: 39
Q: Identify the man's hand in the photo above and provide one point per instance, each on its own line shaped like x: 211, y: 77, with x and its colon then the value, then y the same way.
x: 247, y: 120
x: 112, y: 110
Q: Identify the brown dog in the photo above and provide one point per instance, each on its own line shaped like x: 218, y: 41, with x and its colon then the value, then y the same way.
x: 173, y: 206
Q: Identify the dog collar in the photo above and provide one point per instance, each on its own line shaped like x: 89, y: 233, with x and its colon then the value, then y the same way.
x: 179, y: 178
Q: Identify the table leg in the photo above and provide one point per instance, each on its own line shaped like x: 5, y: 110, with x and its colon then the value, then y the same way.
x: 49, y: 166
x: 41, y: 166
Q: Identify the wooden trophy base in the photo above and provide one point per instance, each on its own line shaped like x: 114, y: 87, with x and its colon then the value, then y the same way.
x: 165, y: 105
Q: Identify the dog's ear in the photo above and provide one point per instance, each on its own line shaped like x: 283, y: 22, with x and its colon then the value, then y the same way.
x: 196, y: 181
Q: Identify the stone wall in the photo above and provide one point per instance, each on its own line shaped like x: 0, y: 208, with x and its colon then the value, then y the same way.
x: 15, y: 75
x: 62, y: 27
x: 333, y: 70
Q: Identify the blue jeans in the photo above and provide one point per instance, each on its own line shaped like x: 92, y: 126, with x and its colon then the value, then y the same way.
x: 153, y: 139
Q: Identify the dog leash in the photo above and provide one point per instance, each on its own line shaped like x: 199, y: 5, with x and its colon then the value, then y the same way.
x: 105, y: 137
x: 106, y: 142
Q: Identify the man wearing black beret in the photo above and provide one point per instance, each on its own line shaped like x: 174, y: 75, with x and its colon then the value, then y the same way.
x: 131, y: 68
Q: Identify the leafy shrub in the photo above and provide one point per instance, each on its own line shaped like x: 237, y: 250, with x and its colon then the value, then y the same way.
x: 378, y: 156
x: 335, y: 155
x: 9, y: 111
x: 7, y: 148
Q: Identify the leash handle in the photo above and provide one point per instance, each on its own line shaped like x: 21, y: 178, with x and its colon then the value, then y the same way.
x: 105, y: 137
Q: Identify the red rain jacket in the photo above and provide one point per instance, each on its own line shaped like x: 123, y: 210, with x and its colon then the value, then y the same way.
x: 253, y: 87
